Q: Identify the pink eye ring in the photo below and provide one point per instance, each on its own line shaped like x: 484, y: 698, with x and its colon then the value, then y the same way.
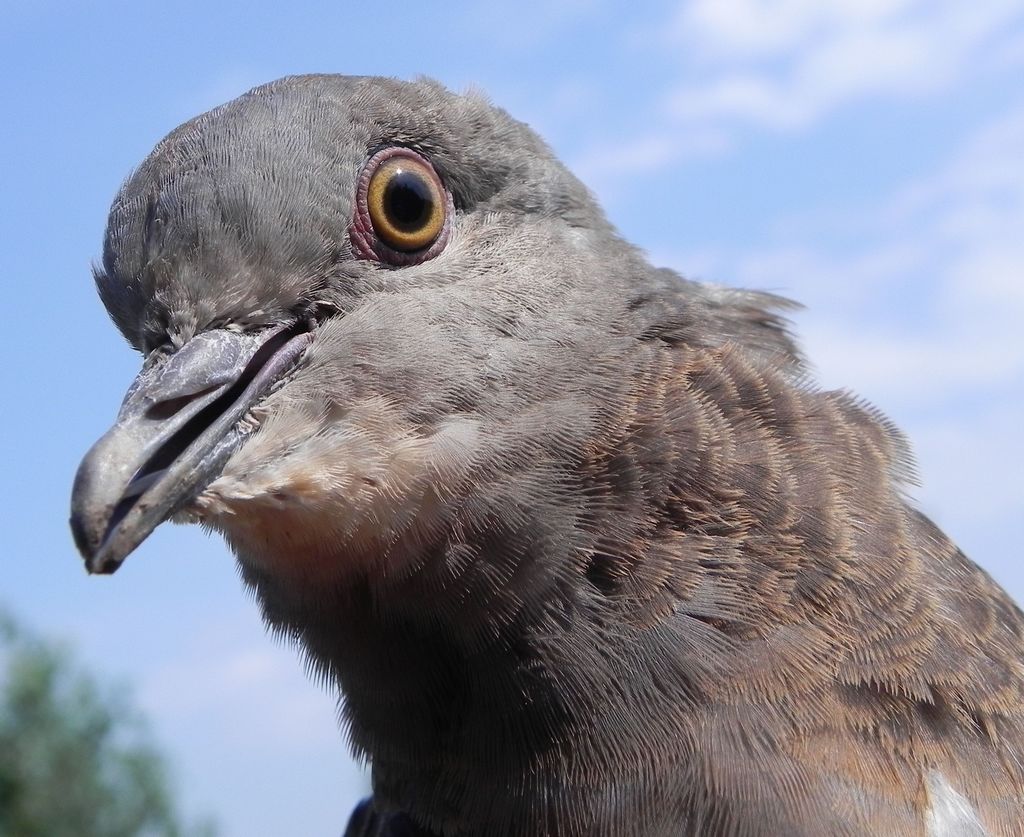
x: 403, y: 212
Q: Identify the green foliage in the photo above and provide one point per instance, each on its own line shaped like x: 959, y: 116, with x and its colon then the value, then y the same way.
x: 74, y: 755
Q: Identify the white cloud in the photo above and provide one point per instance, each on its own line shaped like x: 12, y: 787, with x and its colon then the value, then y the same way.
x: 755, y: 28
x: 945, y: 363
x: 961, y: 491
x: 783, y: 65
x: 947, y: 249
x: 599, y: 166
x: 786, y: 64
x: 245, y: 724
x: 244, y: 669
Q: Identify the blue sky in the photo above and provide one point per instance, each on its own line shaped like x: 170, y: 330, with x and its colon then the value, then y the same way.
x: 865, y: 157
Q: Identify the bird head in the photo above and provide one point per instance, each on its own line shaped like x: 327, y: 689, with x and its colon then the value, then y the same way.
x: 346, y: 292
x: 382, y: 326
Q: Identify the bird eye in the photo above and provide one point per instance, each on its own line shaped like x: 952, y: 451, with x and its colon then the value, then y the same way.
x: 403, y: 210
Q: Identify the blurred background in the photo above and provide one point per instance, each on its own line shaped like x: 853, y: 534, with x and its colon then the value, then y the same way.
x: 865, y: 157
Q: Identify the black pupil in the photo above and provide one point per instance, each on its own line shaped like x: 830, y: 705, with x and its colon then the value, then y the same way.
x: 408, y: 201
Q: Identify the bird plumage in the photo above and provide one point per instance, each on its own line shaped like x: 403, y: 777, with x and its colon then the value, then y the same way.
x: 581, y: 544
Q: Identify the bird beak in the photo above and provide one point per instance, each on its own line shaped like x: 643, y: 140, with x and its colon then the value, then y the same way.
x: 177, y: 427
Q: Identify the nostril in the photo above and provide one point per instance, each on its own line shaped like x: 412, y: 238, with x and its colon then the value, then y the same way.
x: 170, y: 406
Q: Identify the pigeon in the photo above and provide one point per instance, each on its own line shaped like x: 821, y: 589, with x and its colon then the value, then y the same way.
x: 578, y: 541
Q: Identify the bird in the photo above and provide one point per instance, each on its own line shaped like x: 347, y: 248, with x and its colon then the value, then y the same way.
x: 579, y: 542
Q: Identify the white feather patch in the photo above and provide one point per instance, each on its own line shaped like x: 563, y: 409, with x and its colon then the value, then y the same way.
x: 949, y: 813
